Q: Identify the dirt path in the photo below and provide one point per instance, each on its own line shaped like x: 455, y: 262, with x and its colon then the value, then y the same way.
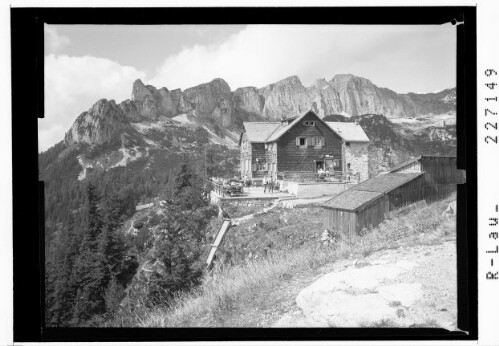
x: 408, y: 286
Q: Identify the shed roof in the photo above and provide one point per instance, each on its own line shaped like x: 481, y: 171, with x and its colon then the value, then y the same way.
x: 259, y: 131
x: 369, y: 190
x: 403, y: 164
x: 386, y: 182
x: 352, y: 199
x: 351, y: 132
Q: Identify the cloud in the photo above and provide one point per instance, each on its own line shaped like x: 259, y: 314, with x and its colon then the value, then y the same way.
x: 73, y: 85
x: 258, y: 55
x: 53, y: 40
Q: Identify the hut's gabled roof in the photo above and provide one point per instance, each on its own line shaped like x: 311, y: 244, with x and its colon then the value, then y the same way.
x: 282, y: 130
x: 258, y: 132
x: 386, y: 182
x: 263, y: 132
x: 350, y: 132
x: 351, y: 199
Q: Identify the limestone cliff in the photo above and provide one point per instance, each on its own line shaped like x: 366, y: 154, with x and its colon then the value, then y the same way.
x: 343, y: 94
x: 103, y: 123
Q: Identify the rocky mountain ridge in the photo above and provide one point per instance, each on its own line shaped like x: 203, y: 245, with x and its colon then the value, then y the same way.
x: 214, y: 104
x: 399, y: 125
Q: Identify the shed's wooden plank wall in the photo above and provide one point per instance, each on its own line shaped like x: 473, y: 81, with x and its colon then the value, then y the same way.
x: 441, y: 170
x: 408, y: 193
x: 372, y: 215
x: 341, y: 221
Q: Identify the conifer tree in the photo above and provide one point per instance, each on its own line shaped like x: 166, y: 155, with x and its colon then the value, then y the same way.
x: 62, y: 291
x: 188, y: 188
x: 91, y: 273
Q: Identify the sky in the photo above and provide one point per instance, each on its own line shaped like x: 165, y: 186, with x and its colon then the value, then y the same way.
x: 85, y: 63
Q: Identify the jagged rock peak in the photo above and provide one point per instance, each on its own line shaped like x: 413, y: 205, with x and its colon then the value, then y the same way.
x: 345, y: 78
x: 99, y: 124
x: 320, y: 83
x: 218, y: 85
x: 140, y: 91
x: 291, y: 80
x: 99, y: 106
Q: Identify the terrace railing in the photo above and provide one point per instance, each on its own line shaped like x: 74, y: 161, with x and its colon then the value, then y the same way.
x: 306, y: 177
x: 227, y: 190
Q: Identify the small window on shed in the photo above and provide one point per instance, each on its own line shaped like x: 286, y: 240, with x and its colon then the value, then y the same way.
x: 347, y: 144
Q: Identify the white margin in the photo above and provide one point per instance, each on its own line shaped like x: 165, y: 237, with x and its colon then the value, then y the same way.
x: 488, y: 155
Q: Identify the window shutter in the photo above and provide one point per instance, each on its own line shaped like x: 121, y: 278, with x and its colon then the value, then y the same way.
x: 253, y: 168
x: 297, y: 141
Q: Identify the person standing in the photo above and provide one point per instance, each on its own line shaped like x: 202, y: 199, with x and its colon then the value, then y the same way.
x: 265, y: 182
x: 271, y: 184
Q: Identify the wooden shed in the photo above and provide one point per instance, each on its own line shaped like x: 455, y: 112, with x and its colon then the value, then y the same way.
x: 441, y: 174
x: 366, y: 204
x: 439, y: 169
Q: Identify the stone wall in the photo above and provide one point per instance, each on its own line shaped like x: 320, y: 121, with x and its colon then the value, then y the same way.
x: 357, y: 156
x: 242, y: 201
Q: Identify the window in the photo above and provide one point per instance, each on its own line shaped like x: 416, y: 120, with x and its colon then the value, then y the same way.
x: 336, y: 163
x: 317, y: 141
x: 310, y: 141
x: 301, y: 141
x: 309, y: 123
x: 347, y: 144
x: 348, y: 165
x: 260, y: 166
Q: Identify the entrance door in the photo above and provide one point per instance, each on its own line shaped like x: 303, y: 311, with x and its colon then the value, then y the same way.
x: 319, y: 165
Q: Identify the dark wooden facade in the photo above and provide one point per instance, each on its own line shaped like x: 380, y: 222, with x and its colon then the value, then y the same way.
x: 282, y: 152
x: 294, y: 158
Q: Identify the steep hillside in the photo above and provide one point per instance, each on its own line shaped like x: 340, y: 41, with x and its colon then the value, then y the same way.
x: 259, y: 283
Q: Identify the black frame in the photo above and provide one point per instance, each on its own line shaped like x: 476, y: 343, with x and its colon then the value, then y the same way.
x: 28, y: 104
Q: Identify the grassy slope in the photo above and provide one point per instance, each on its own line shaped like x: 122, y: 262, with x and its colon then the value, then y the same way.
x: 256, y: 292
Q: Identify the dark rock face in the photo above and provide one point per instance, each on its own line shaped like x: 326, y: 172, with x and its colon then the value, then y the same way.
x: 248, y: 100
x: 150, y: 102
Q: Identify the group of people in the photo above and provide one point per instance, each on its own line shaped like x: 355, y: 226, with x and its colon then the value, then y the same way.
x: 268, y: 184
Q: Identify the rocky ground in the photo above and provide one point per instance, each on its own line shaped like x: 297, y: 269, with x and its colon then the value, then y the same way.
x: 404, y: 287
